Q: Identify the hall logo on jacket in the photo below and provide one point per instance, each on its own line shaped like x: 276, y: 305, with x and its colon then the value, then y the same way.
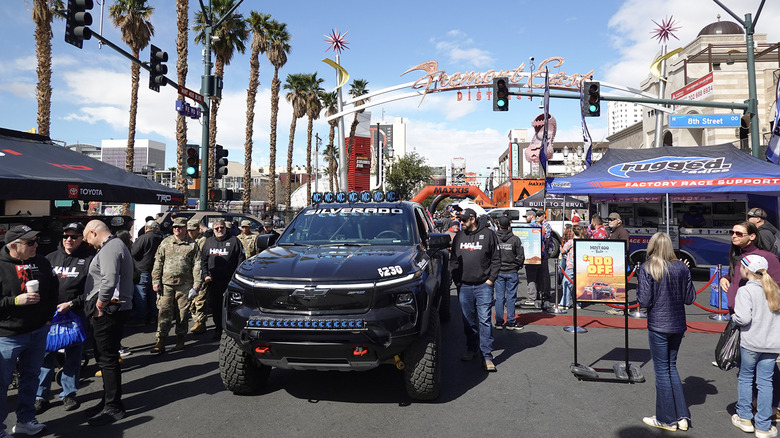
x: 471, y: 246
x: 65, y: 272
x: 217, y: 251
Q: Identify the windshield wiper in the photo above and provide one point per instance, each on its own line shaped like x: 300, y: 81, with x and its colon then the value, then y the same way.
x: 294, y: 244
x: 348, y: 244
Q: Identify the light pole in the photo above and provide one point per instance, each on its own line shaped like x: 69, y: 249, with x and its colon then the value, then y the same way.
x: 317, y: 161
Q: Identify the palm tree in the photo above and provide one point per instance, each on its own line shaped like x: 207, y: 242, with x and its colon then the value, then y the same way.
x: 296, y: 84
x: 357, y: 89
x: 314, y: 92
x: 329, y: 103
x: 182, y: 26
x: 43, y: 16
x: 228, y: 38
x: 132, y: 18
x: 258, y: 24
x: 278, y: 49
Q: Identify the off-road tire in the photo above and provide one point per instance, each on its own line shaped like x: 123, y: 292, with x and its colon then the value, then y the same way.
x: 422, y: 360
x: 555, y: 248
x: 238, y: 371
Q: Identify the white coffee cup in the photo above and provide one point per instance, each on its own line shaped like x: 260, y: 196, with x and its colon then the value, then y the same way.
x: 32, y: 286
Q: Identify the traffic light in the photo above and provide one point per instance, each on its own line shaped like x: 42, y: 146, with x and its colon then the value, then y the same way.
x: 221, y: 162
x: 76, y: 22
x: 157, y: 69
x: 592, y: 101
x: 500, y: 94
x: 192, y: 162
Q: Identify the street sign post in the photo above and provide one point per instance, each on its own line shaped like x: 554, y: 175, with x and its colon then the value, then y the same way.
x: 705, y: 121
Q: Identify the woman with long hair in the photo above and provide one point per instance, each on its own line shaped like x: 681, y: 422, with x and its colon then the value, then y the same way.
x: 757, y: 312
x: 664, y: 288
x: 744, y: 236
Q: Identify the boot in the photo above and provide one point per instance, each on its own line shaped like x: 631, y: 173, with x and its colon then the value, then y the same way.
x: 198, y: 328
x: 179, y: 343
x: 159, y: 347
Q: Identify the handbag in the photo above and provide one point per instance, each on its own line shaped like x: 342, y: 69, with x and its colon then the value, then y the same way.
x: 727, y: 348
x: 66, y: 329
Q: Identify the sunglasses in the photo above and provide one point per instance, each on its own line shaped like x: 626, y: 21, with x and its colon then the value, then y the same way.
x: 737, y: 233
x: 31, y: 242
x: 71, y: 236
x: 219, y: 228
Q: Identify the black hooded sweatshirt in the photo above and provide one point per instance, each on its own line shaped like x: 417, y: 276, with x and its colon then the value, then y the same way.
x: 72, y: 271
x: 475, y: 256
x: 14, y: 273
x: 512, y: 254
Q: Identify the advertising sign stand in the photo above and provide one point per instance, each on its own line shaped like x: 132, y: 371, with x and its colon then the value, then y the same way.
x: 554, y: 307
x: 600, y: 276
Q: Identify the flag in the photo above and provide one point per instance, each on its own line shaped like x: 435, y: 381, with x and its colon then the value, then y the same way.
x: 546, y: 104
x: 586, y: 140
x: 773, y: 149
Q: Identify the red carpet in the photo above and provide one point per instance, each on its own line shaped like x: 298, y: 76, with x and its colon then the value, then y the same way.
x: 609, y: 322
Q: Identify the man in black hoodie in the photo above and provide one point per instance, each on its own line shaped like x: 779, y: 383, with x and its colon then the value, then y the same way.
x: 70, y: 262
x: 144, y: 249
x: 474, y: 263
x: 221, y: 255
x: 25, y: 310
x: 512, y: 259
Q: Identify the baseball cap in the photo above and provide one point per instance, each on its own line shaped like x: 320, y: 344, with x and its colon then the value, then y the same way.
x: 117, y: 221
x: 193, y: 224
x: 530, y: 212
x: 575, y: 220
x: 246, y: 223
x: 19, y: 232
x: 754, y: 263
x: 504, y: 221
x: 75, y: 226
x: 614, y: 215
x: 153, y: 225
x: 467, y: 214
x: 180, y: 222
x: 757, y: 212
x: 268, y: 223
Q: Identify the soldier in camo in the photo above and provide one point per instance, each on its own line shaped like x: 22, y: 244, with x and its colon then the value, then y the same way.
x: 198, y: 307
x: 247, y: 238
x: 176, y: 279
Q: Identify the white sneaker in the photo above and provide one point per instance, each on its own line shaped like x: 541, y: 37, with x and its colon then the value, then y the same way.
x: 32, y: 427
x: 771, y: 433
x: 652, y: 421
x: 682, y: 424
x: 742, y: 424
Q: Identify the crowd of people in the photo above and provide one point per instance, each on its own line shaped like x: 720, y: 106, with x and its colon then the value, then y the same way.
x: 106, y: 280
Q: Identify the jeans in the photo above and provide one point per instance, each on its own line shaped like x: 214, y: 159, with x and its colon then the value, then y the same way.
x: 144, y: 298
x: 28, y: 348
x: 762, y: 367
x: 670, y: 403
x: 506, y: 293
x: 71, y: 370
x: 476, y: 301
x: 106, y: 335
x: 568, y: 288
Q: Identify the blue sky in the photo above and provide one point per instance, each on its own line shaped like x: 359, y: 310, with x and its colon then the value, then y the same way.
x: 91, y: 87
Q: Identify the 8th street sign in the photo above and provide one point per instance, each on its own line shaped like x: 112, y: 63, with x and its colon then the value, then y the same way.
x: 705, y: 121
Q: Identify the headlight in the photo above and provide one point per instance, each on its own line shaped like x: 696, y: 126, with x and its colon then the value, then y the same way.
x: 235, y: 298
x: 405, y: 302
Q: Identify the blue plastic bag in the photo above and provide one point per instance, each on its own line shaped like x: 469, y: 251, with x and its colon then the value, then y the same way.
x: 66, y: 329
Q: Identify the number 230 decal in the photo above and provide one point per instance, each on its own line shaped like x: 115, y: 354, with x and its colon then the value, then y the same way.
x: 386, y: 271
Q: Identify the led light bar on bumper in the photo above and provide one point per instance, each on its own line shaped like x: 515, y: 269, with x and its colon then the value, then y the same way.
x: 305, y: 324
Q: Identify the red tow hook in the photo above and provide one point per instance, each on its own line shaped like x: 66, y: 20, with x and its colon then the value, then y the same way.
x: 360, y: 351
x: 262, y: 349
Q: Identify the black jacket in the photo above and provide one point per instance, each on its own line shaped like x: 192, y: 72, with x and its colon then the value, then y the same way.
x: 72, y: 271
x: 14, y: 273
x: 475, y: 256
x: 144, y: 249
x: 512, y: 254
x: 220, y: 258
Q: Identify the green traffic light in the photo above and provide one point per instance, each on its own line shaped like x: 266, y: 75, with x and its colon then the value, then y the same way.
x: 190, y: 171
x: 593, y: 108
x: 501, y: 102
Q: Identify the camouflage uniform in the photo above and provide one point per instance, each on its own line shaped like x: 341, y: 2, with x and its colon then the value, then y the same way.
x: 177, y: 269
x: 248, y: 240
x: 199, y: 303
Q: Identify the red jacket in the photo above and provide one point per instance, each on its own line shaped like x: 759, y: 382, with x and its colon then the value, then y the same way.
x: 736, y: 278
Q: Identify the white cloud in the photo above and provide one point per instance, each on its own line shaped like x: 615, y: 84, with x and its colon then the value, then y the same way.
x: 459, y: 48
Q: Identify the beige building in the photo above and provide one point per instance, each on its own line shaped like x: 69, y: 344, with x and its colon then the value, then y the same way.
x: 717, y: 60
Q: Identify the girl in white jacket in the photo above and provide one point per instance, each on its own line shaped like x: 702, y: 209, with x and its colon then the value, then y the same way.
x: 757, y: 312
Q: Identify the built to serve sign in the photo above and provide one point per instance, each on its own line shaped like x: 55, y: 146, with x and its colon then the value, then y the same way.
x: 705, y: 121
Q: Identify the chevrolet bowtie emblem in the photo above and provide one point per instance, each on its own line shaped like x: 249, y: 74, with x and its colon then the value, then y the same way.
x: 309, y: 293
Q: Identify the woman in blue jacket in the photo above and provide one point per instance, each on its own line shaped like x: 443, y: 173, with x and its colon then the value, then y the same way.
x: 664, y: 287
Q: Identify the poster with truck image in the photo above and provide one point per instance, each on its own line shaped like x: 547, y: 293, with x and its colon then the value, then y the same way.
x: 600, y: 270
x: 531, y: 238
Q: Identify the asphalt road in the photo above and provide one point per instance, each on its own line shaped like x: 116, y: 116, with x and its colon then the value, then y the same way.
x: 533, y: 394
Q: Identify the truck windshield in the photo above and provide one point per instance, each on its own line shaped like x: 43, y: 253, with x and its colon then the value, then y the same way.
x: 340, y: 226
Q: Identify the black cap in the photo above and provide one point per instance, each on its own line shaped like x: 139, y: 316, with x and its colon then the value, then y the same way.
x: 757, y: 212
x: 19, y: 232
x: 467, y: 214
x: 75, y: 226
x: 504, y: 221
x: 268, y: 223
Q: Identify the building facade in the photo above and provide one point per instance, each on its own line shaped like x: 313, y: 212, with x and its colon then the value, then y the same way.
x: 149, y: 155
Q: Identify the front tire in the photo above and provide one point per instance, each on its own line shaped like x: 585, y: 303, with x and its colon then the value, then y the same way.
x: 238, y: 371
x: 422, y: 371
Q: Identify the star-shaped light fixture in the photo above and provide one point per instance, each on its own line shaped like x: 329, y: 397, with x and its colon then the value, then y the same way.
x: 665, y: 29
x: 336, y: 41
